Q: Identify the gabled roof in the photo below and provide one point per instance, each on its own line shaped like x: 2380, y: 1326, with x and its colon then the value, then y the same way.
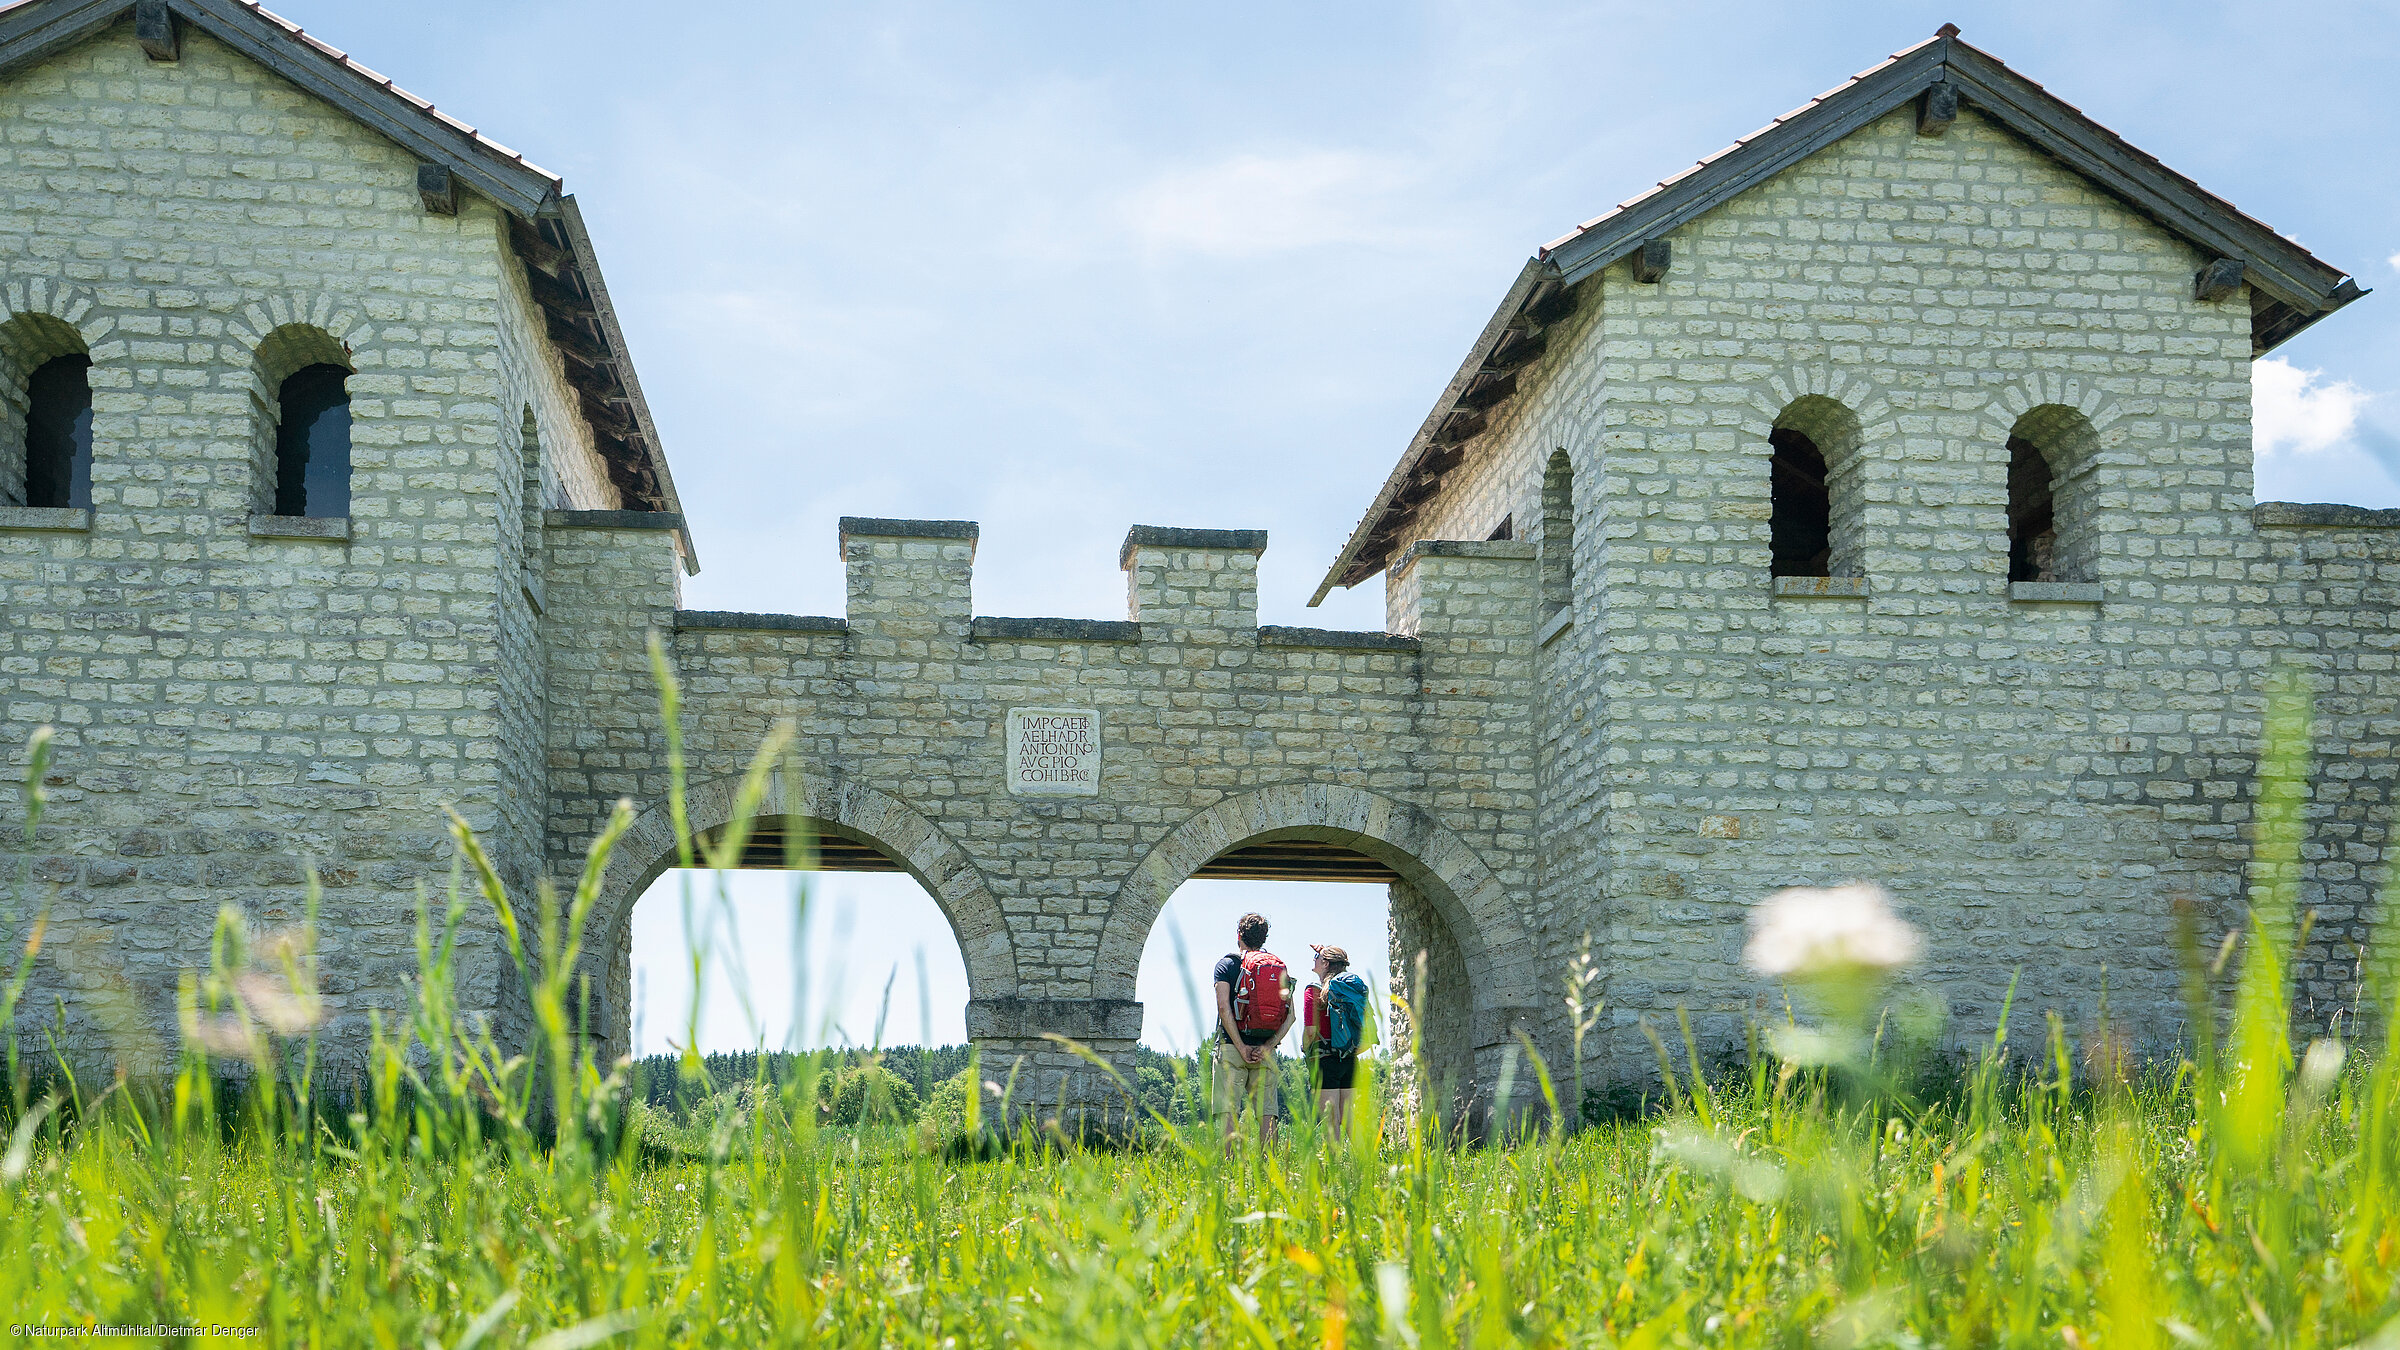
x: 2290, y: 287
x: 546, y: 230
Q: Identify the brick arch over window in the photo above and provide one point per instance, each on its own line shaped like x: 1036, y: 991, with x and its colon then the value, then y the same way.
x: 71, y: 306
x: 1840, y: 414
x: 295, y: 347
x: 293, y: 472
x: 2053, y: 495
x: 1816, y: 488
x: 271, y: 330
x: 835, y: 806
x: 2071, y: 423
x: 1478, y: 916
x: 39, y: 323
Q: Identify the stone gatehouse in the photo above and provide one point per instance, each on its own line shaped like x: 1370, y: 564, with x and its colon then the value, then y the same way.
x: 1872, y: 499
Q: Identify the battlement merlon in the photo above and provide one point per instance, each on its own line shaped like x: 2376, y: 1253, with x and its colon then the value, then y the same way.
x: 1195, y: 582
x: 909, y: 581
x: 1464, y: 591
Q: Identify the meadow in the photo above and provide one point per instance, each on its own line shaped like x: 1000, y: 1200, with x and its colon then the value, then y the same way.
x: 1835, y: 1190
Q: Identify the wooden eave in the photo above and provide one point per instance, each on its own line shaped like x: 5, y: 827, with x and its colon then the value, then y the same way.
x: 545, y: 227
x: 600, y: 366
x: 2290, y: 287
x: 1431, y: 452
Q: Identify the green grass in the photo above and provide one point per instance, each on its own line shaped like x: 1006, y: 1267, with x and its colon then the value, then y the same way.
x: 1753, y: 1216
x: 2244, y: 1196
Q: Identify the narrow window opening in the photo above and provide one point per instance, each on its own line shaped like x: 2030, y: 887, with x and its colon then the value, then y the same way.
x: 1507, y: 529
x: 2032, y: 520
x: 529, y: 436
x: 1558, y: 533
x: 58, y: 433
x: 1800, y: 519
x: 312, y: 443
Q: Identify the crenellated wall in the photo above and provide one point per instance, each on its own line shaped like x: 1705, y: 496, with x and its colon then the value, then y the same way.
x: 1414, y: 748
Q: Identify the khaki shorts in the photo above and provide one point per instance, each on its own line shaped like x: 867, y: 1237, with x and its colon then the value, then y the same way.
x: 1239, y: 1083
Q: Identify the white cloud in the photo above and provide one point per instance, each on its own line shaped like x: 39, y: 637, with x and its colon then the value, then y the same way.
x: 1249, y: 205
x: 2299, y: 410
x: 2395, y: 262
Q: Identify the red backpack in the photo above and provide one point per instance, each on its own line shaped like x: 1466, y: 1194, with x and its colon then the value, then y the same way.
x: 1258, y: 1000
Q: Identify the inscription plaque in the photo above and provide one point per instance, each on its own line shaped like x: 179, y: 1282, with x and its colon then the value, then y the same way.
x: 1054, y: 752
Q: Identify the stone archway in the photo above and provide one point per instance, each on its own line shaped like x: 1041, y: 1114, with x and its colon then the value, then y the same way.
x: 1448, y: 903
x: 830, y: 805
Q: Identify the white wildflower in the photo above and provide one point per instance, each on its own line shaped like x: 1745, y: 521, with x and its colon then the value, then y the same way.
x: 224, y: 1034
x: 272, y: 999
x: 1807, y: 931
x: 2319, y: 1068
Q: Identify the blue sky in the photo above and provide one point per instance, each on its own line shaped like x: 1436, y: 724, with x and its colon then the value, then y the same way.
x: 1065, y: 268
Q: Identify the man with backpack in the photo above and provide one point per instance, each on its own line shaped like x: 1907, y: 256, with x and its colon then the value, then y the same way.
x: 1254, y: 1010
x: 1337, y: 1023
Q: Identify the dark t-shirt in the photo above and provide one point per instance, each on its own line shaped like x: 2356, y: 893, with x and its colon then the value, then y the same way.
x: 1229, y: 974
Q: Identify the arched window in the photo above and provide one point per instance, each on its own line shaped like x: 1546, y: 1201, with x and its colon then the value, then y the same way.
x: 1800, y: 521
x: 529, y: 452
x: 58, y: 433
x: 2032, y: 530
x: 1812, y: 517
x: 1558, y: 533
x: 45, y: 413
x: 2053, y: 534
x: 312, y: 443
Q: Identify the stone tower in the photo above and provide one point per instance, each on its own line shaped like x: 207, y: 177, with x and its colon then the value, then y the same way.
x: 199, y: 201
x: 1890, y: 476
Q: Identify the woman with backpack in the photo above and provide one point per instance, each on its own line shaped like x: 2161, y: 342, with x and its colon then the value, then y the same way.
x: 1335, y: 1011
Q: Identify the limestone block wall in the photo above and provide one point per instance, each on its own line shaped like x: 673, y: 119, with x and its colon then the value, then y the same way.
x: 2335, y: 586
x: 237, y: 700
x: 1414, y: 748
x: 1503, y: 476
x: 544, y: 459
x: 2000, y: 761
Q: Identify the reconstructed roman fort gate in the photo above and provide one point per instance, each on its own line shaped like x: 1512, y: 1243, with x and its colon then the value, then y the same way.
x: 1872, y: 499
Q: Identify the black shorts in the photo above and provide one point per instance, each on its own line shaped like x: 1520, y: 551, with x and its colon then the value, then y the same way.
x: 1333, y: 1072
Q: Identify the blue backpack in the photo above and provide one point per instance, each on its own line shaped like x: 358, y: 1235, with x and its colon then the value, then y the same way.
x: 1345, y: 1012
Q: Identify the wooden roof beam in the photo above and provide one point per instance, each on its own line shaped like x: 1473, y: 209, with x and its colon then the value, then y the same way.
x: 536, y: 250
x: 557, y: 296
x: 1492, y: 386
x: 1653, y: 260
x: 1937, y: 108
x: 2220, y: 279
x: 154, y: 27
x: 437, y: 190
x: 573, y: 339
x: 1519, y: 348
x: 1462, y: 425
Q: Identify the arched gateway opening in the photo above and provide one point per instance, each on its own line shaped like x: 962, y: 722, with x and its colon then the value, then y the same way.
x: 831, y: 827
x: 1457, y: 951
